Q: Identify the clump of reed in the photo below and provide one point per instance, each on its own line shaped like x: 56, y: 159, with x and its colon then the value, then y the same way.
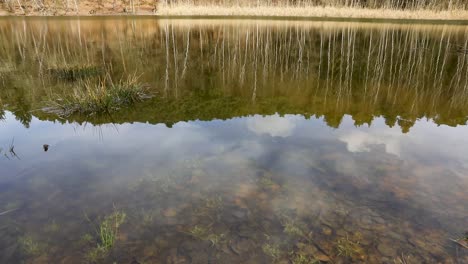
x: 103, y: 96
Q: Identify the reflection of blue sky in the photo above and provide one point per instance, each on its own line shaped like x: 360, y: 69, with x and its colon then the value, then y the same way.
x: 253, y: 137
x: 425, y: 140
x: 230, y: 153
x: 274, y: 125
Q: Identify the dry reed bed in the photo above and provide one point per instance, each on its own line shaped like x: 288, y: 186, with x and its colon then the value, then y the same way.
x: 389, y: 9
x: 308, y: 11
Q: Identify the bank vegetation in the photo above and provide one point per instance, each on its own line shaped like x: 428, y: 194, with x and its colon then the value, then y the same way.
x: 393, y: 9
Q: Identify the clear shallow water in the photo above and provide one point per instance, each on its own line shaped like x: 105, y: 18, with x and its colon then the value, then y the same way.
x: 265, y: 142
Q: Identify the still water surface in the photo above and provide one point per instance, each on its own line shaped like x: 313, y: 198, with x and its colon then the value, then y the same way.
x: 265, y: 142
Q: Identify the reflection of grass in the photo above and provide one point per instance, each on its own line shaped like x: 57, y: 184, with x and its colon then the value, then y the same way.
x: 29, y: 245
x: 70, y: 73
x: 102, y: 97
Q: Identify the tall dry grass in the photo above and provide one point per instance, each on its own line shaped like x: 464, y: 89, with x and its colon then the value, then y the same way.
x: 396, y: 9
x: 184, y: 9
x: 404, y: 9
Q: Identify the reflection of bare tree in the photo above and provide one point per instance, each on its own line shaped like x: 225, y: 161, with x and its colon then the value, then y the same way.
x: 330, y: 68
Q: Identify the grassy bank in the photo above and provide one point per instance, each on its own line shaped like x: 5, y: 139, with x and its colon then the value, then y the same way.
x: 391, y: 9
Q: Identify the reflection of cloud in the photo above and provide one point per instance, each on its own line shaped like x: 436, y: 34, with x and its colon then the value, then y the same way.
x: 360, y: 141
x: 274, y: 125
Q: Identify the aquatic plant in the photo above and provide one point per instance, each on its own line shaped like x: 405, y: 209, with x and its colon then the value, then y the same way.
x: 266, y: 182
x: 147, y: 217
x: 109, y: 228
x: 272, y: 251
x: 198, y: 232
x: 295, y: 228
x: 87, y: 238
x: 214, y: 202
x: 205, y: 234
x: 402, y: 259
x: 107, y: 233
x: 10, y: 152
x: 29, y: 245
x: 102, y: 97
x: 212, y: 207
x: 96, y: 254
x: 52, y: 227
x: 349, y: 248
x: 298, y: 258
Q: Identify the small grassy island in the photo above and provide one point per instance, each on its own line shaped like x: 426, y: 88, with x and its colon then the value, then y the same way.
x: 361, y: 9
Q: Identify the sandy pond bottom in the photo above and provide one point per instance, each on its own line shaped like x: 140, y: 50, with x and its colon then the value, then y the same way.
x: 246, y: 190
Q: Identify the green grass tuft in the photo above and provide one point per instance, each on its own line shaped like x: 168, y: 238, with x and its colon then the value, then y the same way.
x: 349, y: 248
x: 29, y: 245
x: 272, y: 251
x: 109, y: 228
x: 103, y: 97
x: 297, y: 258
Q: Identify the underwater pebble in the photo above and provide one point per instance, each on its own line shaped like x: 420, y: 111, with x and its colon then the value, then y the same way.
x: 239, y: 214
x: 322, y: 257
x: 326, y: 230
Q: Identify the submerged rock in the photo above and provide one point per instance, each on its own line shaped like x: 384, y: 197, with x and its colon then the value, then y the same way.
x: 240, y: 214
x: 322, y: 257
x: 326, y: 230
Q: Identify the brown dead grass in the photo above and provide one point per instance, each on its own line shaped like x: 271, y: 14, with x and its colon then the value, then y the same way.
x: 312, y: 11
x: 207, y: 8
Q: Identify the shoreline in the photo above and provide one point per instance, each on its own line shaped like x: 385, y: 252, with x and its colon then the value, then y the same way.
x: 312, y: 13
x: 260, y: 18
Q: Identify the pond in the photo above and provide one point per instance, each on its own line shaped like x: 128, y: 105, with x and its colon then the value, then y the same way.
x: 261, y: 142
